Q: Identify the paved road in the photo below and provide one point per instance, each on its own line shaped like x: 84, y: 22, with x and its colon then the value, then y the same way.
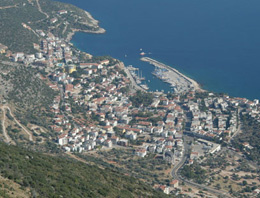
x: 239, y: 125
x: 136, y: 86
x: 175, y: 175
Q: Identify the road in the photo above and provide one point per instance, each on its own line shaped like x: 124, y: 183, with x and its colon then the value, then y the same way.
x: 28, y: 132
x: 239, y: 125
x: 40, y: 9
x: 7, y: 138
x: 175, y: 175
x: 7, y: 7
x: 136, y: 86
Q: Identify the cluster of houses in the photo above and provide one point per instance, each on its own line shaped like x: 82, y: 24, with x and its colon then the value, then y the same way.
x: 100, y: 89
x: 212, y: 117
x: 51, y: 52
x: 101, y: 99
x: 113, y: 109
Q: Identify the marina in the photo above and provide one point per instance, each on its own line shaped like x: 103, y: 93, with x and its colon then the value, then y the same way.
x: 136, y: 75
x: 178, y: 81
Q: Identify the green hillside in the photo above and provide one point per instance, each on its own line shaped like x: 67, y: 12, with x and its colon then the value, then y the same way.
x: 21, y: 18
x: 13, y: 34
x: 32, y: 97
x: 49, y: 176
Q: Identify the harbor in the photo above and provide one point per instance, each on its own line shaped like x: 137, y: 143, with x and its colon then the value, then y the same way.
x: 137, y: 76
x: 178, y: 81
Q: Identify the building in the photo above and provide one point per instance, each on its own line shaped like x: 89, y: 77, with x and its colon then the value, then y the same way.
x: 174, y: 183
x: 62, y: 139
x: 141, y: 152
x: 62, y: 12
x: 123, y: 142
x: 108, y: 143
x: 3, y: 48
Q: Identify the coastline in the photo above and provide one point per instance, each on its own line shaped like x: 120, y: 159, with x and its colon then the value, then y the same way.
x: 71, y: 34
x: 170, y: 76
x: 94, y: 23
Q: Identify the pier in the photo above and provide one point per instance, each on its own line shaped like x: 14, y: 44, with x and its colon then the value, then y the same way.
x: 129, y: 75
x: 178, y: 81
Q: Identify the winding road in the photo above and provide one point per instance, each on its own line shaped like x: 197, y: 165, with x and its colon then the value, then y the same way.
x: 40, y: 9
x: 175, y: 174
x: 8, y: 139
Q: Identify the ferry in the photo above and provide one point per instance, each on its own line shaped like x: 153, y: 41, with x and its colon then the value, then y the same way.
x: 142, y: 53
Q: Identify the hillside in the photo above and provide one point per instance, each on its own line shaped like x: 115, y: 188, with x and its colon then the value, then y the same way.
x: 30, y: 95
x: 21, y: 18
x: 251, y: 137
x: 48, y: 176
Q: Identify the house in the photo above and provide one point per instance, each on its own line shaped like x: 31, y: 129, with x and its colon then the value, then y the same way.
x: 141, y: 152
x: 104, y: 62
x: 123, y: 142
x: 108, y: 143
x: 194, y: 155
x: 62, y: 12
x: 165, y: 189
x: 69, y: 88
x: 114, y: 139
x: 3, y: 48
x: 131, y: 135
x: 174, y: 183
x: 62, y: 139
x: 54, y: 20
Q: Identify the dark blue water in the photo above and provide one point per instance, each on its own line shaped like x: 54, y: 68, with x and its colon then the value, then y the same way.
x: 216, y: 42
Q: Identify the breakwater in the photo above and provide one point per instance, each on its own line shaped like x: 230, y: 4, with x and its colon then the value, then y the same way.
x: 178, y: 81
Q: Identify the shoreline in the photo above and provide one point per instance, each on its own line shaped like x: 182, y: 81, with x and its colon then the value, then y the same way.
x: 94, y: 23
x: 71, y: 34
x: 173, y: 76
x: 178, y: 74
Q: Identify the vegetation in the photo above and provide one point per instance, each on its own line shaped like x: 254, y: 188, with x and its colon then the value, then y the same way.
x: 142, y: 99
x: 21, y: 38
x: 194, y: 172
x: 11, y: 28
x: 250, y: 135
x: 31, y: 96
x: 151, y: 169
x: 48, y: 176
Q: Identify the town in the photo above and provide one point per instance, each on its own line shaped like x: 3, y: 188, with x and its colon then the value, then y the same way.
x: 99, y: 108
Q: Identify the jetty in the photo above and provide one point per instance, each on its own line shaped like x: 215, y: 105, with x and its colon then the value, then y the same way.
x: 178, y: 81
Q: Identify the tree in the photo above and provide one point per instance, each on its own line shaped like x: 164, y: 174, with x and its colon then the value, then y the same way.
x: 244, y: 183
x: 142, y: 99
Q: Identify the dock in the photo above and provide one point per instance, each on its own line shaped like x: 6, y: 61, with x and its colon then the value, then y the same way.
x: 178, y: 81
x: 130, y: 76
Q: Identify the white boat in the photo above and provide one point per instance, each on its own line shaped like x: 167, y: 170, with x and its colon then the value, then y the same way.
x: 144, y: 87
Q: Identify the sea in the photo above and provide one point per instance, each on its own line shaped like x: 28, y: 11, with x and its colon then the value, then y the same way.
x: 215, y: 42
